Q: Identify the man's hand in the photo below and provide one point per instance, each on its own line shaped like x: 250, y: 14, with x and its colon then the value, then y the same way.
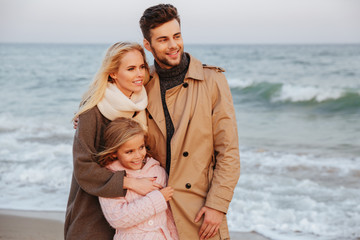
x: 141, y: 186
x: 211, y: 224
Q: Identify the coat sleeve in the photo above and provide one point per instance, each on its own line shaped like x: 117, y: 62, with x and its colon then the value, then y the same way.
x: 92, y: 178
x: 226, y: 170
x: 122, y: 214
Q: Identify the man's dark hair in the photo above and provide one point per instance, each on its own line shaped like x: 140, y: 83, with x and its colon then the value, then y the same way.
x: 155, y: 16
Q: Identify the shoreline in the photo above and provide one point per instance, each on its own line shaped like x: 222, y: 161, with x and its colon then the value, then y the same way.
x: 48, y: 225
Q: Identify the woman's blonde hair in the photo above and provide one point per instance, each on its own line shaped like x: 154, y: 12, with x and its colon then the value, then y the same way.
x: 110, y: 64
x: 116, y: 134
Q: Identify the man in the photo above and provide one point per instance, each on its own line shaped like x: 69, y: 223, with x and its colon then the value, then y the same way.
x: 192, y: 128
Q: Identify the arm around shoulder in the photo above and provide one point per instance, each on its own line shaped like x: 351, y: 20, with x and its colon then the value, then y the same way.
x: 92, y: 178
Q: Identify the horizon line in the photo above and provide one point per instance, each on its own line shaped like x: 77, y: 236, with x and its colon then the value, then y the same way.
x: 194, y: 43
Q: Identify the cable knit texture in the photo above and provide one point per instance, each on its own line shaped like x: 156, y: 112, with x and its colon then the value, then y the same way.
x: 140, y: 217
x: 115, y: 104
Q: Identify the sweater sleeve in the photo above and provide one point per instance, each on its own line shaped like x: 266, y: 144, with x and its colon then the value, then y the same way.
x: 226, y: 147
x: 92, y: 178
x: 162, y: 177
x: 171, y: 225
x: 122, y: 214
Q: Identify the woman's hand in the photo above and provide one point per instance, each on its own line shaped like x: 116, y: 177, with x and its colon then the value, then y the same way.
x: 76, y: 122
x: 167, y: 192
x: 141, y: 186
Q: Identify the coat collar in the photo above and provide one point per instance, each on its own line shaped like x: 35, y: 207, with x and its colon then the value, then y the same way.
x: 195, y: 70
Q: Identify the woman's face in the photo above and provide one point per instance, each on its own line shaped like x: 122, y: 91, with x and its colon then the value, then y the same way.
x: 130, y: 75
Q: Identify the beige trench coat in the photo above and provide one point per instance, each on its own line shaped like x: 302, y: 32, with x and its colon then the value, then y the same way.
x: 205, y: 162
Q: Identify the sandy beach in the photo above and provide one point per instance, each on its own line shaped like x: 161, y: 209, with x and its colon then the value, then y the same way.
x: 43, y: 225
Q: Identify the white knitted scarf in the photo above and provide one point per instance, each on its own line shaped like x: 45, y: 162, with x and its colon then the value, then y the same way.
x: 115, y: 104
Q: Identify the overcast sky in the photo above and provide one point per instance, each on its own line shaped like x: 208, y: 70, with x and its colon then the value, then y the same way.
x: 203, y: 21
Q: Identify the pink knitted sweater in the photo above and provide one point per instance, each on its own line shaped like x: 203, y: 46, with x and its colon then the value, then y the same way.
x: 140, y: 217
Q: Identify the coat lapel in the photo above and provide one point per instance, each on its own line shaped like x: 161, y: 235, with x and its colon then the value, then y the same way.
x: 155, y: 107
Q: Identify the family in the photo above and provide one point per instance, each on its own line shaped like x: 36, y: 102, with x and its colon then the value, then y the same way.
x: 155, y: 153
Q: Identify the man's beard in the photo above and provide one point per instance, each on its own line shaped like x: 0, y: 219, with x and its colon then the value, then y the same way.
x: 164, y: 61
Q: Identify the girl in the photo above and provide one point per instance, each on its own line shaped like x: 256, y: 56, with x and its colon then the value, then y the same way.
x: 117, y: 91
x: 135, y: 216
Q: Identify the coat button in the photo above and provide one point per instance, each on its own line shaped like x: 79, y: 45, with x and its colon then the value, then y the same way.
x: 185, y: 85
x: 150, y: 222
x: 185, y: 154
x: 188, y: 185
x: 150, y: 117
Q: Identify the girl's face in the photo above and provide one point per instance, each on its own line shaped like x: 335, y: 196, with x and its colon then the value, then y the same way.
x: 132, y: 153
x: 130, y: 76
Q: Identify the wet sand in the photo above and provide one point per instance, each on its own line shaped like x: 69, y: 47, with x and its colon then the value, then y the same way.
x: 48, y: 225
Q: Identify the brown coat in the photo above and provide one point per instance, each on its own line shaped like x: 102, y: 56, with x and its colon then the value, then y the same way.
x: 205, y: 162
x: 84, y: 218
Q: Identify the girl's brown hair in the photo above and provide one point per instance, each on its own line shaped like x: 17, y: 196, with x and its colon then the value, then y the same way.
x: 116, y: 134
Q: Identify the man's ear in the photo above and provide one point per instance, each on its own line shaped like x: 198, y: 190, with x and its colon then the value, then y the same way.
x: 147, y: 45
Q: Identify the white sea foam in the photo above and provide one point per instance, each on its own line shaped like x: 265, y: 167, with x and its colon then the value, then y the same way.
x: 35, y: 164
x: 296, y: 93
x: 283, y: 195
x: 243, y: 83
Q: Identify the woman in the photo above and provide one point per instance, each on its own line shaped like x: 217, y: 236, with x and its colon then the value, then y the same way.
x: 117, y: 91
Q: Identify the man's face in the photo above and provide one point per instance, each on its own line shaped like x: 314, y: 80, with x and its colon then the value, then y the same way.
x: 166, y: 44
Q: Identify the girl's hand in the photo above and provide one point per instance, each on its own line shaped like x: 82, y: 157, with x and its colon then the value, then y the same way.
x: 167, y: 192
x: 141, y: 186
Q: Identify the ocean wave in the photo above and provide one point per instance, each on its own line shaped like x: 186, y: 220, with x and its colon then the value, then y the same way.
x: 294, y: 93
x: 36, y: 161
x: 334, y: 99
x: 303, y: 196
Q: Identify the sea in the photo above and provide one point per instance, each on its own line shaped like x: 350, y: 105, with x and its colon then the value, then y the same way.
x: 298, y: 115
